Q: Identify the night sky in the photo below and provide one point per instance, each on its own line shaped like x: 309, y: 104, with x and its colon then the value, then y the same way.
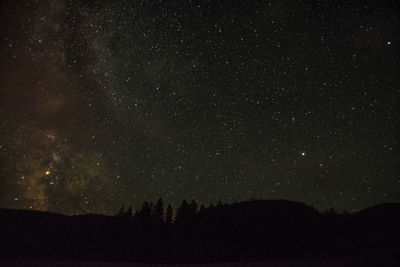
x: 117, y: 102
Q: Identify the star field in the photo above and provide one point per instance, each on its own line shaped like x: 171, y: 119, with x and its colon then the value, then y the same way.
x: 117, y: 102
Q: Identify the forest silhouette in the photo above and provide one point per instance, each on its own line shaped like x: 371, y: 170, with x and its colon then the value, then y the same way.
x: 248, y: 231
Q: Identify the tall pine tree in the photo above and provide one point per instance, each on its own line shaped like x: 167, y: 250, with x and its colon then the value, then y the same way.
x: 158, y: 212
x: 169, y: 214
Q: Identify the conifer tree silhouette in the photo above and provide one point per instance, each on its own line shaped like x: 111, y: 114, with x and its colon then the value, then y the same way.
x: 169, y: 214
x: 182, y: 212
x: 144, y: 215
x: 128, y: 213
x: 121, y: 211
x: 158, y: 212
x: 192, y: 209
x: 202, y: 208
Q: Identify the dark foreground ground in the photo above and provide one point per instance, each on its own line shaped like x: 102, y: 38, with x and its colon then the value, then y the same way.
x: 254, y: 233
x: 345, y: 262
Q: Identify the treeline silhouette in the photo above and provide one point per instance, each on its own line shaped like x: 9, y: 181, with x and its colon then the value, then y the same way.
x: 247, y: 231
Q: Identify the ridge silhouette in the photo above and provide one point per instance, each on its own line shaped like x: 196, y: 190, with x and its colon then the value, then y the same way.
x: 247, y: 231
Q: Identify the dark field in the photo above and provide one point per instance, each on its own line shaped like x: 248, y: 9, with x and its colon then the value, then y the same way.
x: 360, y: 261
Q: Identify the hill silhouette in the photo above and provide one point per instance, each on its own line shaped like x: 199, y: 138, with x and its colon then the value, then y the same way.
x: 248, y: 231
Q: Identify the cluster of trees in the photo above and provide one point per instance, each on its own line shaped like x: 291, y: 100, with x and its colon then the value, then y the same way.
x: 155, y: 214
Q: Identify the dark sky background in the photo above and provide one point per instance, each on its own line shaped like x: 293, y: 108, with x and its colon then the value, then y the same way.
x: 117, y: 102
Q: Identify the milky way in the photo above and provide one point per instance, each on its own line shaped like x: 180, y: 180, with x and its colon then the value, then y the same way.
x: 117, y: 102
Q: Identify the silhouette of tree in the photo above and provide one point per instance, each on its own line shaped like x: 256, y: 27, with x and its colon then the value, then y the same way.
x: 158, y: 212
x: 330, y: 212
x: 128, y: 213
x: 169, y: 214
x: 192, y: 209
x: 144, y: 215
x: 202, y: 208
x: 136, y: 214
x: 182, y: 211
x: 121, y: 211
